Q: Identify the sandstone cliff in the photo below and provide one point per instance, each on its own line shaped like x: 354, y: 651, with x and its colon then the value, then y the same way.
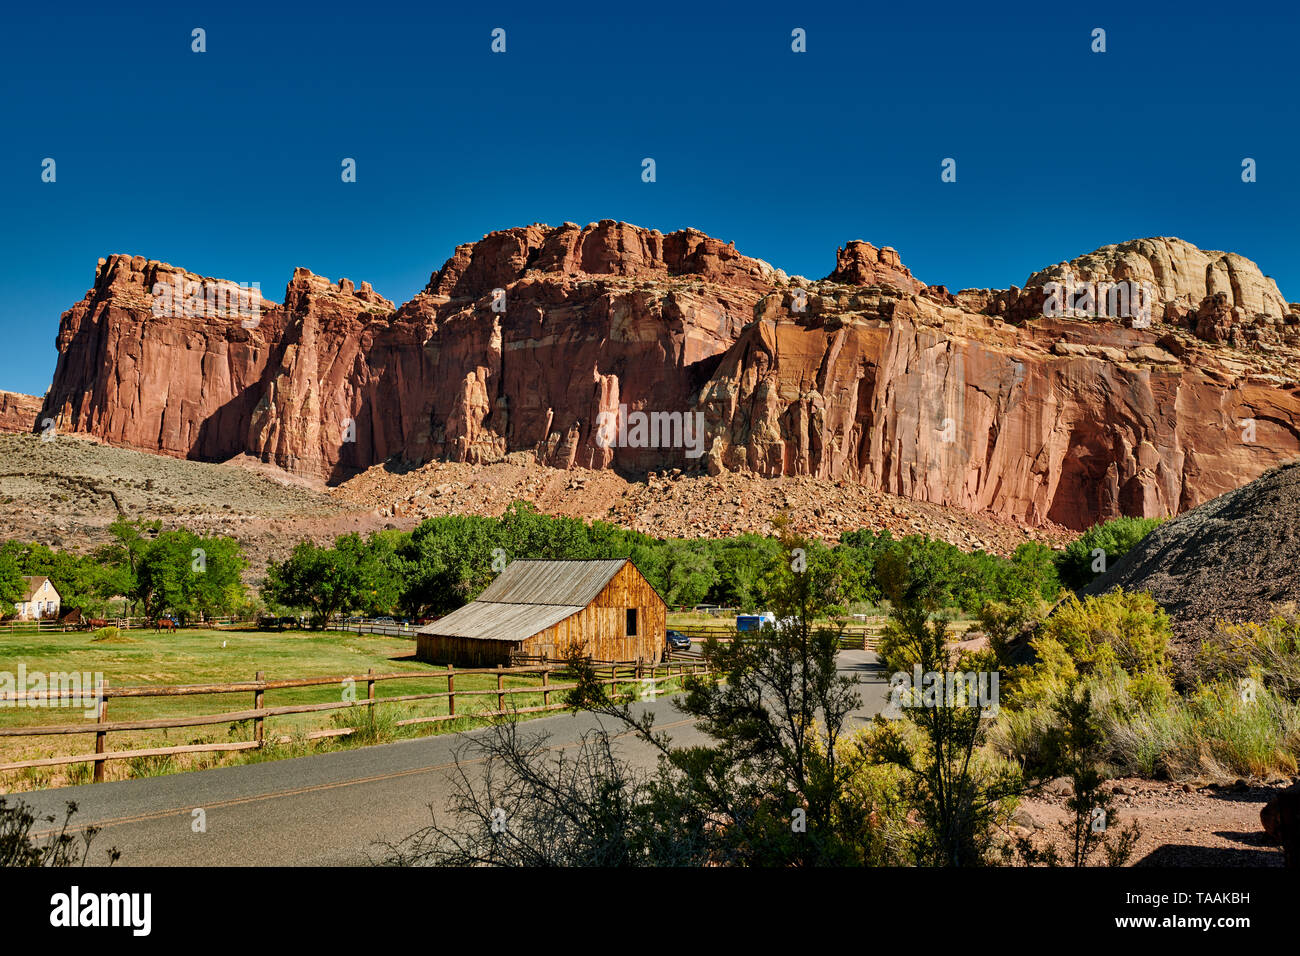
x: 528, y: 338
x: 18, y: 412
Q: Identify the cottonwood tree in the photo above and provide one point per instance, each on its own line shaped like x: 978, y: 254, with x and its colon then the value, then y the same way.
x: 348, y: 576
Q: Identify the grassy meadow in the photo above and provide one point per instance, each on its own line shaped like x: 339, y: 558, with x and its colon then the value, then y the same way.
x: 198, y: 656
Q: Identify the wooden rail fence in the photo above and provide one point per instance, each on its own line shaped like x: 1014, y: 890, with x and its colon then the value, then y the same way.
x: 50, y: 625
x: 620, y: 672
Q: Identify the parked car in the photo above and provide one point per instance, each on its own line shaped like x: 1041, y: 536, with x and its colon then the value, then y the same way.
x: 755, y: 622
x: 678, y: 641
x: 384, y: 620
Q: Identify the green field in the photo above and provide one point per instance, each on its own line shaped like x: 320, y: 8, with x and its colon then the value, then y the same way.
x: 199, y: 657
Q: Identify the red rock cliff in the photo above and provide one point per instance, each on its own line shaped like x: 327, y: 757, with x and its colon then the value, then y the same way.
x: 522, y: 340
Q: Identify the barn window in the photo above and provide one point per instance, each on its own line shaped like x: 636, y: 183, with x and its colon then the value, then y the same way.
x: 631, y: 622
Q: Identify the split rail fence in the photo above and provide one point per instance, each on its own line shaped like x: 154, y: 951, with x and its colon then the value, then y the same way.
x: 619, y: 672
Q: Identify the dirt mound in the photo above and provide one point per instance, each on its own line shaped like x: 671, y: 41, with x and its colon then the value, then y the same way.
x: 64, y: 493
x: 1230, y: 559
x: 673, y: 504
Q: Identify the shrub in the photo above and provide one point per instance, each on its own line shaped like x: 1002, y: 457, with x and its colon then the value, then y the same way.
x: 1124, y: 629
x: 1268, y: 652
x: 109, y: 635
x: 1217, y: 732
x: 18, y: 847
x: 1005, y: 623
x: 1072, y: 747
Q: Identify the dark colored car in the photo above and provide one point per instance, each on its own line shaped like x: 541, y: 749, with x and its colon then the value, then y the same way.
x: 678, y: 641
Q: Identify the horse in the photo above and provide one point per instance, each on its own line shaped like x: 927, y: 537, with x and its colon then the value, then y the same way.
x: 164, y: 624
x: 94, y: 623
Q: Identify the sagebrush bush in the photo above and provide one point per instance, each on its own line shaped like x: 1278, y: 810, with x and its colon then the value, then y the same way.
x: 1217, y: 732
x: 1125, y: 629
x: 1268, y: 652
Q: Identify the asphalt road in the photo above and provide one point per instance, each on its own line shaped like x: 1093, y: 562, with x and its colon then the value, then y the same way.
x: 329, y: 809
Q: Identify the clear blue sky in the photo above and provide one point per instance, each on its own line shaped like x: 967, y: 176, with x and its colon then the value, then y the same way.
x: 228, y: 162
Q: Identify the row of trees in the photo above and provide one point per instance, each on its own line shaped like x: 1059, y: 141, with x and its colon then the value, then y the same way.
x: 149, y: 570
x: 445, y: 562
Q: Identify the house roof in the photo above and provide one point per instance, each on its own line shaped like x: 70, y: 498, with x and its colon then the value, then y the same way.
x: 527, y: 597
x: 33, y: 584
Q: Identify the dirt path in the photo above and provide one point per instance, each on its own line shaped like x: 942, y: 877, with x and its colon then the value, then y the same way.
x: 1181, y: 824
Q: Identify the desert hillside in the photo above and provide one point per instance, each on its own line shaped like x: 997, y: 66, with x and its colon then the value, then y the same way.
x: 65, y: 492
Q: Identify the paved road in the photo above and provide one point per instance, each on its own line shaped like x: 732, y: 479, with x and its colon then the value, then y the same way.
x: 329, y: 809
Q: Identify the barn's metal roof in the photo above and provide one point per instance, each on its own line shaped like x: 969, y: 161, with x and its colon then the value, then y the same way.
x: 527, y: 597
x: 489, y: 620
x: 551, y: 582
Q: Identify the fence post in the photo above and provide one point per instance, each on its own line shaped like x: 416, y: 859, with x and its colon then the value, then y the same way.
x: 501, y: 698
x: 259, y: 730
x: 451, y: 690
x: 546, y: 684
x: 101, y: 737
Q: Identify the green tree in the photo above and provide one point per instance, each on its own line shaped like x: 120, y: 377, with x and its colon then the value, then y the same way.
x: 189, y: 576
x: 448, y: 561
x: 689, y: 573
x: 326, y: 581
x: 12, y: 585
x: 1100, y: 547
x: 957, y: 795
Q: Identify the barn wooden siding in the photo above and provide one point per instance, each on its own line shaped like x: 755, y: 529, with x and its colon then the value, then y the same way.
x: 463, y: 651
x: 597, y: 630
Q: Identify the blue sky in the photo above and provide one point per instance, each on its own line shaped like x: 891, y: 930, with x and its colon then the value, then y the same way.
x: 228, y: 162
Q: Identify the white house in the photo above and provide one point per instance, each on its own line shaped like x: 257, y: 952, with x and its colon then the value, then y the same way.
x: 40, y: 599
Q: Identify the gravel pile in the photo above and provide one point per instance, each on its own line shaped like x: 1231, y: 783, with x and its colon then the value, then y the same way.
x: 1232, y: 558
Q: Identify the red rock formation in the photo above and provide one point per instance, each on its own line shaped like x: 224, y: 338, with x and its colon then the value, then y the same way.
x: 522, y: 340
x: 18, y: 412
x: 861, y: 263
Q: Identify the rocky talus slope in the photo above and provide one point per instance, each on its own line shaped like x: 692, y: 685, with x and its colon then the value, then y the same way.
x: 1230, y: 559
x: 528, y: 339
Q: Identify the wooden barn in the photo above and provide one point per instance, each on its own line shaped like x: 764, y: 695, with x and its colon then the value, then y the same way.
x: 606, y: 610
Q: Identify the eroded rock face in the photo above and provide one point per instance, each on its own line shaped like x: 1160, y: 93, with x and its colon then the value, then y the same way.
x: 18, y: 412
x: 527, y: 339
x: 1060, y: 420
